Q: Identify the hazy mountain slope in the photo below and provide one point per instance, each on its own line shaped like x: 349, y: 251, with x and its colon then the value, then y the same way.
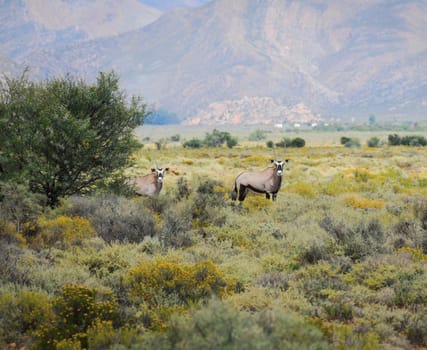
x: 97, y: 18
x: 350, y: 57
x: 27, y: 25
x: 383, y: 62
x: 341, y: 56
x: 167, y: 5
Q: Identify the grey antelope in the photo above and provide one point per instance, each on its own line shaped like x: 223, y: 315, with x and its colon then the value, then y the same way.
x: 267, y: 181
x: 150, y: 184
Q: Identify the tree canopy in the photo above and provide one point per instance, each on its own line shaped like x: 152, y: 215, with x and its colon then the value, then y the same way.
x: 62, y: 136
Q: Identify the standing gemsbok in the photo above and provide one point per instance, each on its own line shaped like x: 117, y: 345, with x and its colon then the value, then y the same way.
x: 267, y: 181
x: 150, y: 184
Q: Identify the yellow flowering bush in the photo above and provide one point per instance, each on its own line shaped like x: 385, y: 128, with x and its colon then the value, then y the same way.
x: 22, y: 314
x: 63, y: 229
x: 76, y: 309
x: 415, y: 253
x: 179, y: 284
x: 359, y: 202
x: 303, y: 189
x: 9, y: 234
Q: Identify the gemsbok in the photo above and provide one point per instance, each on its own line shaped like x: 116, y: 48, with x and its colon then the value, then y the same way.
x: 151, y: 184
x: 267, y: 181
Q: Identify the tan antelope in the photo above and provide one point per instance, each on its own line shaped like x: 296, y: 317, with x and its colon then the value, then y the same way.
x: 267, y: 181
x: 151, y: 184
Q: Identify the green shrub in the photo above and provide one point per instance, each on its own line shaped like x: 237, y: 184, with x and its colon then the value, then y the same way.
x: 297, y: 142
x: 22, y: 314
x: 413, y: 140
x: 350, y: 142
x: 341, y: 311
x: 183, y: 189
x: 101, y: 335
x: 257, y: 135
x: 315, y: 279
x: 373, y: 142
x: 11, y: 269
x: 175, y: 138
x: 207, y: 204
x: 346, y: 338
x: 344, y: 140
x: 357, y: 240
x: 220, y: 326
x: 275, y: 280
x: 287, y: 142
x: 417, y: 329
x: 409, y: 140
x: 314, y: 252
x: 155, y: 204
x: 18, y: 205
x: 231, y: 141
x: 218, y: 138
x: 106, y: 262
x: 115, y: 218
x: 175, y: 227
x: 9, y: 235
x: 193, y: 143
x: 410, y: 289
x: 394, y: 140
x: 409, y: 233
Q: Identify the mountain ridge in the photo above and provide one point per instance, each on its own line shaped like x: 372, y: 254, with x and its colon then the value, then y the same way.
x: 336, y: 58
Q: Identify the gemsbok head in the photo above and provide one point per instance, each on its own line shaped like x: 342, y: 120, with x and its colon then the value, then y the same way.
x: 267, y: 181
x: 151, y: 184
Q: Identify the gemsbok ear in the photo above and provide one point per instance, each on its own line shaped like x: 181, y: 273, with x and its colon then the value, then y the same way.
x: 271, y: 160
x: 286, y: 160
x: 153, y: 170
x: 166, y: 169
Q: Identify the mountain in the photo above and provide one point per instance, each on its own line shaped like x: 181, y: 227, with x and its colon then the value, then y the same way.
x: 335, y: 58
x: 34, y: 25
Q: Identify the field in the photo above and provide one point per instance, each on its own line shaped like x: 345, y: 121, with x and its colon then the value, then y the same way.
x: 338, y: 261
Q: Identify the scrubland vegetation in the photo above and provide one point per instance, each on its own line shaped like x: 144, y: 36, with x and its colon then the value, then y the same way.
x: 337, y: 262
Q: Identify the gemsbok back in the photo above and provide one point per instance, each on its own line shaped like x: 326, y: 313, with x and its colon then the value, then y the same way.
x: 267, y: 181
x: 151, y: 184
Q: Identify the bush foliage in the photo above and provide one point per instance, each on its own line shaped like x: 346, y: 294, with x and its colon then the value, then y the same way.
x: 161, y: 282
x: 62, y: 136
x: 338, y: 261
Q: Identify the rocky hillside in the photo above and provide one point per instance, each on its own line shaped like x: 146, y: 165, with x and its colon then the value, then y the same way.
x: 347, y: 58
x: 253, y: 110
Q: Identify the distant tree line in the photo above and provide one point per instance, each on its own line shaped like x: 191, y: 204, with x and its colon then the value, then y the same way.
x: 409, y: 140
x: 393, y: 140
x: 350, y: 142
x: 214, y: 139
x: 287, y: 142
